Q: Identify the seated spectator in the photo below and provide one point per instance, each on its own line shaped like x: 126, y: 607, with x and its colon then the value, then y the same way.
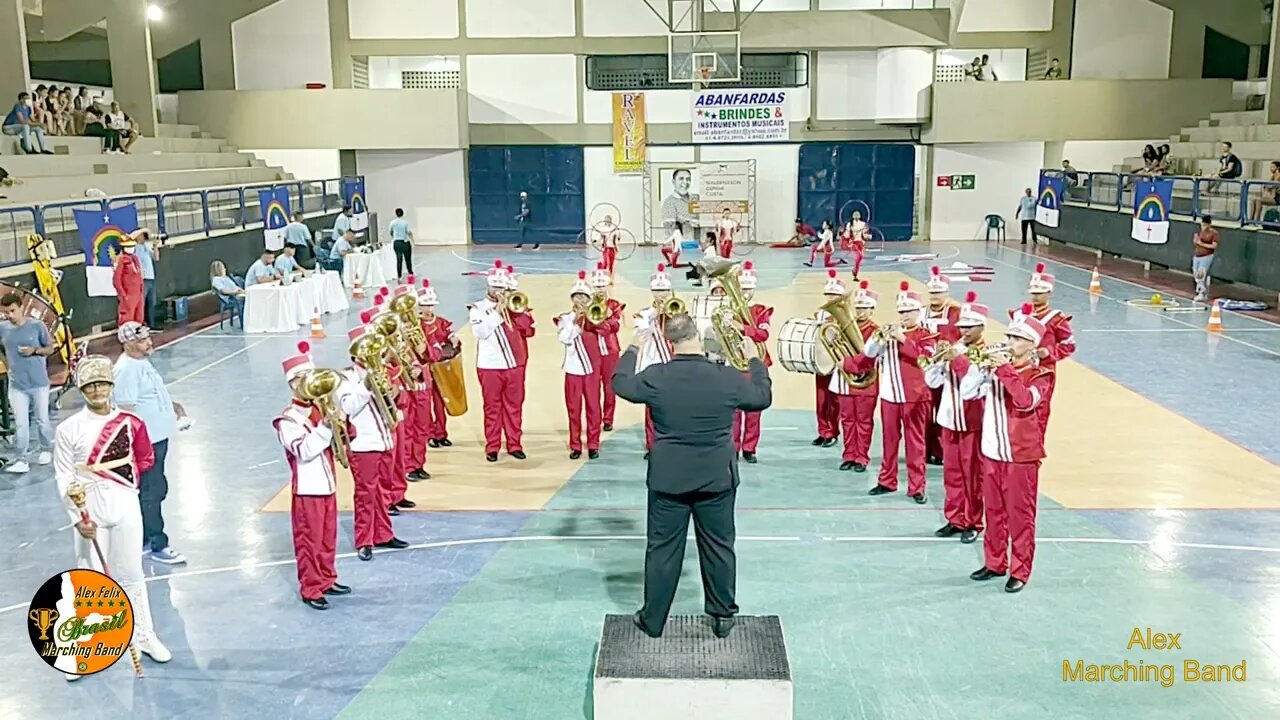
x: 1267, y: 197
x: 79, y: 109
x: 805, y: 234
x: 1150, y: 160
x: 66, y: 109
x: 1055, y: 70
x: 344, y: 245
x: 224, y: 286
x: 18, y: 122
x: 263, y: 270
x: 39, y: 109
x: 59, y: 121
x: 118, y: 120
x: 95, y: 125
x: 287, y: 265
x: 1229, y: 167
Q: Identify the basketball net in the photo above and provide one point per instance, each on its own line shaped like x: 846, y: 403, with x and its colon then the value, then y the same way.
x: 705, y: 73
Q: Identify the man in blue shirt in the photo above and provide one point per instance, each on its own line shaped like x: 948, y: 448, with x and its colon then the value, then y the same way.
x: 402, y: 242
x: 298, y: 235
x: 1027, y: 216
x: 342, y: 223
x: 18, y: 122
x: 262, y: 270
x: 139, y: 389
x: 286, y: 265
x: 148, y: 253
x: 26, y: 345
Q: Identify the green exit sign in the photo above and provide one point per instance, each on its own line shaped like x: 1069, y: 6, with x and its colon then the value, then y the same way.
x: 963, y: 182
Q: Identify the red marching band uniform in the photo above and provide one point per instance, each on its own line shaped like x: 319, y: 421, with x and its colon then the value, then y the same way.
x: 439, y: 334
x: 582, y: 367
x: 940, y: 319
x: 858, y: 405
x: 961, y: 422
x: 657, y: 349
x: 904, y: 397
x: 726, y: 228
x: 610, y: 348
x: 1016, y: 399
x: 827, y: 403
x: 523, y: 322
x: 501, y: 354
x: 746, y: 425
x: 417, y: 403
x: 397, y: 484
x: 1058, y: 342
x: 307, y: 441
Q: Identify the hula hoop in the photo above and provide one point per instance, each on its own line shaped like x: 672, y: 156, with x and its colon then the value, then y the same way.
x: 598, y: 212
x: 843, y: 217
x: 1148, y: 304
x: 586, y: 248
x: 591, y: 246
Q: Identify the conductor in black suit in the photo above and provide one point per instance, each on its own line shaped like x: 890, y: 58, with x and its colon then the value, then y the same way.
x: 693, y: 467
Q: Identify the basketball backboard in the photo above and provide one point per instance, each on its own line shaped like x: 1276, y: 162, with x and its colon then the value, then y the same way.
x: 704, y: 57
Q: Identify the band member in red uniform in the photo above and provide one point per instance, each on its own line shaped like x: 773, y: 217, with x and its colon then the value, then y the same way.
x: 858, y: 405
x: 608, y: 233
x: 726, y: 229
x: 523, y: 322
x: 307, y: 439
x: 607, y: 333
x: 1016, y: 397
x: 904, y: 398
x: 372, y: 456
x: 439, y: 332
x: 656, y: 349
x: 402, y: 433
x: 1058, y: 342
x: 670, y: 247
x: 126, y: 277
x: 827, y: 404
x: 961, y: 422
x: 939, y: 319
x: 500, y: 356
x: 581, y: 370
x: 746, y: 425
x: 419, y: 401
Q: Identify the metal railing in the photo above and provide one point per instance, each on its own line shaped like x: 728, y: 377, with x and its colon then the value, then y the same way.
x: 1250, y: 203
x: 181, y: 213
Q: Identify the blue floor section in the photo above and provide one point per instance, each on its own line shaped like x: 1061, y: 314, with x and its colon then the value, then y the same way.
x: 245, y: 647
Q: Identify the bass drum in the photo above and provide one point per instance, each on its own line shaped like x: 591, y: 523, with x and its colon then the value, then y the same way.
x: 799, y: 349
x: 702, y: 309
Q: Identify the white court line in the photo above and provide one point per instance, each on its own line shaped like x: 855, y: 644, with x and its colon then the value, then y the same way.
x: 217, y: 362
x: 1171, y: 330
x: 641, y: 538
x: 1157, y: 313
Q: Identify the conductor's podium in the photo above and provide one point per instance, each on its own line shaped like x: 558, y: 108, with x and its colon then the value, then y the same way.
x: 690, y: 673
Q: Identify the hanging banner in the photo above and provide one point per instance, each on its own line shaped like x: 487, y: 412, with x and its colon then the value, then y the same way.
x: 353, y: 197
x: 1051, y: 187
x: 630, y: 133
x: 100, y: 236
x: 1151, y: 202
x: 275, y: 215
x: 740, y: 116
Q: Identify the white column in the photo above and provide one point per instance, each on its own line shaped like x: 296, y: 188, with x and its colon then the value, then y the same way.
x: 133, y: 66
x: 16, y: 77
x: 904, y: 81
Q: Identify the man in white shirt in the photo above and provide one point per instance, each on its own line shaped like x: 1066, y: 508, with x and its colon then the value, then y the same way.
x: 286, y: 265
x: 263, y: 270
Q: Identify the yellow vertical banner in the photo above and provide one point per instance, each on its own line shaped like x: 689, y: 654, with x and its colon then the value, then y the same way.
x: 630, y: 134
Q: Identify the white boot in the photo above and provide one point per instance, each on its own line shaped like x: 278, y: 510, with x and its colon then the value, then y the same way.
x: 150, y: 644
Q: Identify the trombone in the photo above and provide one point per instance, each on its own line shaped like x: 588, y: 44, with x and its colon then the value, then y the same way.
x: 320, y: 388
x: 885, y: 332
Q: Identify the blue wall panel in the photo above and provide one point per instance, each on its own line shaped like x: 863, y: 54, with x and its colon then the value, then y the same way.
x: 881, y: 175
x: 552, y: 175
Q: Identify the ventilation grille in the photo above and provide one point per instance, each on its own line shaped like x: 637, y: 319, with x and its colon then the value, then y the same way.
x: 1037, y: 64
x: 949, y: 73
x: 430, y: 79
x: 360, y: 73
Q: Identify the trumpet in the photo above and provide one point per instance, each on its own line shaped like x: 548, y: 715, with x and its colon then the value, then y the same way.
x: 885, y: 332
x: 388, y: 325
x: 516, y: 302
x: 842, y: 338
x: 368, y: 350
x: 320, y: 388
x: 941, y: 354
x: 986, y: 357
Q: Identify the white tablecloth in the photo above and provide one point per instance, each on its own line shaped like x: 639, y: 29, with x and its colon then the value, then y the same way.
x: 282, y: 308
x: 374, y: 270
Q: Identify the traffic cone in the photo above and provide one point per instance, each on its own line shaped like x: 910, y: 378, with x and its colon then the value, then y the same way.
x: 1215, y: 318
x: 317, y: 329
x: 1095, y: 282
x: 357, y: 292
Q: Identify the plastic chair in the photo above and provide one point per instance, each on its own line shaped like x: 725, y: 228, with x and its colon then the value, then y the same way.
x: 229, y: 306
x: 995, y: 224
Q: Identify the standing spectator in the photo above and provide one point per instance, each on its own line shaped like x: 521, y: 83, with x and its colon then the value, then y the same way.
x: 119, y: 120
x: 1229, y: 167
x: 148, y: 252
x: 95, y: 125
x: 26, y: 345
x: 1267, y: 196
x: 1055, y: 70
x: 1027, y: 216
x: 1206, y: 244
x: 974, y: 69
x: 18, y: 122
x: 139, y: 389
x: 298, y: 235
x: 525, y: 221
x: 988, y: 71
x: 342, y: 224
x: 402, y: 241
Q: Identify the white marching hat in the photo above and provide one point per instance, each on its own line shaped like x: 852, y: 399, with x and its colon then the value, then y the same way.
x: 971, y: 313
x: 580, y: 286
x: 865, y: 297
x: 298, y: 364
x: 938, y: 283
x: 1025, y: 326
x: 600, y: 277
x: 907, y: 299
x: 660, y: 280
x: 1041, y: 281
x: 747, y: 278
x: 496, y: 277
x: 834, y: 286
x: 427, y: 294
x: 513, y: 282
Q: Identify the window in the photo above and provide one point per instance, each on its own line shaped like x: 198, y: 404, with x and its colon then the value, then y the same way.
x: 649, y: 72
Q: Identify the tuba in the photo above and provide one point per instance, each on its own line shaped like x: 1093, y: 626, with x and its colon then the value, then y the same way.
x: 368, y: 351
x: 734, y: 308
x: 842, y: 338
x: 389, y: 326
x: 320, y: 388
x: 405, y: 306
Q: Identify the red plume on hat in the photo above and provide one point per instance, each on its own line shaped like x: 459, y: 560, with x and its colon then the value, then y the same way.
x: 426, y: 282
x: 379, y: 300
x: 1027, y: 309
x: 411, y: 280
x: 904, y: 286
x: 582, y: 274
x: 1039, y: 267
x: 366, y: 316
x: 747, y: 265
x: 831, y: 274
x: 497, y: 264
x: 864, y: 284
x: 304, y: 347
x: 935, y: 270
x: 971, y: 297
x: 662, y: 267
x: 511, y: 269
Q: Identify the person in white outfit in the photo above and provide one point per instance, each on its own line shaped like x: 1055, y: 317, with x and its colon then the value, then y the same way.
x: 106, y: 450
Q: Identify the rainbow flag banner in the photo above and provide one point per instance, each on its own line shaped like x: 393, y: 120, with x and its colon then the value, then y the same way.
x: 1151, y: 202
x: 275, y: 215
x: 1051, y: 187
x: 100, y: 236
x: 353, y: 197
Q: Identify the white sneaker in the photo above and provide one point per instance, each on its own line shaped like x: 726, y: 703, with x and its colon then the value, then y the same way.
x: 70, y: 677
x: 151, y: 645
x: 18, y: 468
x: 44, y: 458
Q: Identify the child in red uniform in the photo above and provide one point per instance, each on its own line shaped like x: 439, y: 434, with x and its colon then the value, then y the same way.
x: 440, y: 340
x: 827, y: 404
x: 858, y: 404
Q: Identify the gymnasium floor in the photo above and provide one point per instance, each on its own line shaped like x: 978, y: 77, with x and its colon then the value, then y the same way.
x: 1160, y: 508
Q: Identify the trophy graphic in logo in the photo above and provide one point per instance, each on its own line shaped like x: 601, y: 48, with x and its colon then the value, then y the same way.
x: 44, y: 618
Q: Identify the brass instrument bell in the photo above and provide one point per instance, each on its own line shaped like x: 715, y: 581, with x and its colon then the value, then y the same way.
x: 842, y: 338
x: 320, y: 387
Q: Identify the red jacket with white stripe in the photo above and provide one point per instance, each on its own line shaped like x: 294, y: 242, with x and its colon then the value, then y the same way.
x: 307, y: 448
x: 581, y: 345
x: 942, y: 322
x: 758, y: 330
x: 1015, y: 398
x: 901, y: 379
x: 606, y: 333
x: 857, y: 365
x: 954, y: 412
x: 499, y: 345
x: 1058, y: 338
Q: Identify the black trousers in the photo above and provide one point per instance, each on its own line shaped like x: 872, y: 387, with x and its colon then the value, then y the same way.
x: 668, y: 526
x: 149, y: 304
x: 305, y: 257
x: 152, y: 490
x: 404, y: 257
x: 1029, y: 225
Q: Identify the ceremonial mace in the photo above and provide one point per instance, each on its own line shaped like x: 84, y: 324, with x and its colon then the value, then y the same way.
x: 76, y: 493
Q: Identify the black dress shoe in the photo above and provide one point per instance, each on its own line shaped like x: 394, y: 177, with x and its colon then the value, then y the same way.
x: 646, y: 454
x: 984, y: 573
x: 968, y: 536
x: 847, y: 465
x: 318, y: 603
x: 947, y: 530
x: 491, y: 457
x: 574, y: 455
x: 364, y: 553
x: 406, y: 504
x: 859, y: 468
x: 828, y: 442
x: 419, y: 475
x: 919, y: 498
x: 445, y: 442
x: 393, y: 511
x: 607, y: 427
x: 880, y: 490
x: 433, y: 443
x: 338, y: 589
x: 519, y: 455
x: 749, y: 457
x: 593, y: 454
x: 1014, y: 585
x: 933, y: 460
x: 818, y: 441
x: 635, y: 620
x: 394, y: 543
x: 720, y: 626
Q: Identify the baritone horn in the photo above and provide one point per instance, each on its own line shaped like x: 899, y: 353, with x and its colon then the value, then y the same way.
x: 735, y: 308
x: 368, y: 351
x: 842, y: 338
x: 389, y: 326
x: 405, y: 306
x: 320, y: 388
